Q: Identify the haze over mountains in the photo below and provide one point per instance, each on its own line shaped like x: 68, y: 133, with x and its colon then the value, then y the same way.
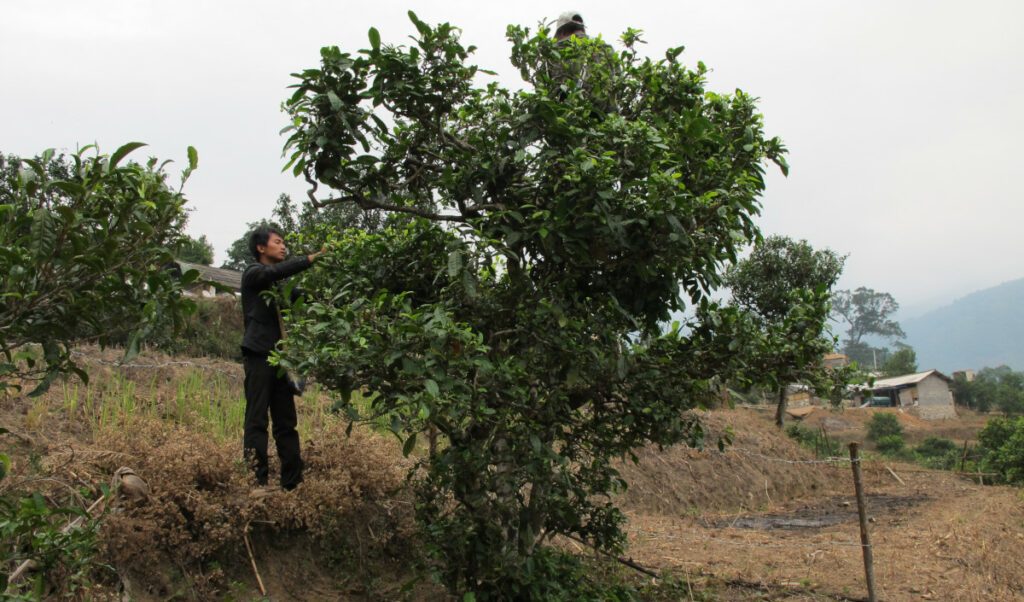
x: 983, y: 329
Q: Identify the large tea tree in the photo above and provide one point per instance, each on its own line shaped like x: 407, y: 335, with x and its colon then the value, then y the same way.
x: 518, y: 310
x: 87, y: 240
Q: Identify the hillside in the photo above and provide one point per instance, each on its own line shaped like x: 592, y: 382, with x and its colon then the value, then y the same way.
x: 982, y: 329
x: 763, y: 520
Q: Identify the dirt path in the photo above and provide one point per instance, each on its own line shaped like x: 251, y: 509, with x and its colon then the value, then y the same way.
x: 938, y: 537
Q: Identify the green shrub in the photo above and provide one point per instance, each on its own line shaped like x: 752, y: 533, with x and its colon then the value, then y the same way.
x: 884, y: 425
x: 890, y: 445
x: 33, y: 529
x: 939, y: 453
x: 1002, y: 447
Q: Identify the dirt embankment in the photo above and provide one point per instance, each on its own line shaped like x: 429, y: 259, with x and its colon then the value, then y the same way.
x: 755, y: 471
x: 763, y: 520
x: 935, y: 535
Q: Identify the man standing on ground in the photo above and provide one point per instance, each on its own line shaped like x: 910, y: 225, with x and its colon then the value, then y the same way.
x: 265, y: 389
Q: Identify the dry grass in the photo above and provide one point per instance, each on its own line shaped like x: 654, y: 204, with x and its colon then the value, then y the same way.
x: 178, y: 424
x: 347, y: 532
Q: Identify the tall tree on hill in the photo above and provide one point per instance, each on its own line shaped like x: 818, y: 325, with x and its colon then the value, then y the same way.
x: 194, y: 250
x: 518, y: 308
x: 786, y: 285
x: 867, y: 313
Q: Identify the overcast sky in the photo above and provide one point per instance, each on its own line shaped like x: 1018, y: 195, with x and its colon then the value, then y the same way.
x: 903, y: 118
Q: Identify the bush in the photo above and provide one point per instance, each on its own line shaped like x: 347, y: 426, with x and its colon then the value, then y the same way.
x: 884, y: 425
x: 890, y: 444
x: 1002, y: 448
x: 937, y: 452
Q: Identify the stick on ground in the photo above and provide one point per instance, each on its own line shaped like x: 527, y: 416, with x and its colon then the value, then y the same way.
x: 252, y: 560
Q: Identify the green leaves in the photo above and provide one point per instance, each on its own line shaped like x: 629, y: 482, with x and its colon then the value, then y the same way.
x: 409, y: 445
x: 374, y: 39
x: 121, y: 153
x: 86, y: 243
x: 537, y: 240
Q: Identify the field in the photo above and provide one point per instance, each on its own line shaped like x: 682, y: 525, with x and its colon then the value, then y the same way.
x: 765, y: 520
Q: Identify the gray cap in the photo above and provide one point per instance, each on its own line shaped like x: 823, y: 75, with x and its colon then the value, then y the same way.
x: 569, y: 18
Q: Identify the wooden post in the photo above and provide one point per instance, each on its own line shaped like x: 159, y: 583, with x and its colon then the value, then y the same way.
x: 963, y: 456
x: 862, y: 511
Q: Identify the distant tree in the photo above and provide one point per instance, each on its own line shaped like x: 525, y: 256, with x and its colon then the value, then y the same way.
x: 963, y: 391
x: 999, y: 388
x: 786, y: 286
x: 306, y: 225
x: 902, y: 361
x: 867, y: 312
x: 194, y: 250
x: 867, y: 356
x: 84, y: 256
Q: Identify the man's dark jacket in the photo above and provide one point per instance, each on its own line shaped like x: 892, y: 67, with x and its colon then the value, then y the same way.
x: 262, y: 330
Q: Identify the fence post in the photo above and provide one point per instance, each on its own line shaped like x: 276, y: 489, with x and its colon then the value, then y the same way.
x: 862, y: 511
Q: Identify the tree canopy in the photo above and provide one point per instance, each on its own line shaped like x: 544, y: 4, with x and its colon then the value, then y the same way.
x: 194, y: 250
x: 87, y: 240
x: 518, y: 308
x: 786, y: 286
x: 902, y: 361
x: 867, y: 312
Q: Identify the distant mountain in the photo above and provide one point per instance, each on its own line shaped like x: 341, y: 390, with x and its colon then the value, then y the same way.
x: 983, y: 329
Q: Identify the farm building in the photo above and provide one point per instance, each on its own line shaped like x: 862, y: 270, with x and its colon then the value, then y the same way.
x: 926, y: 394
x: 229, y: 280
x: 835, y: 360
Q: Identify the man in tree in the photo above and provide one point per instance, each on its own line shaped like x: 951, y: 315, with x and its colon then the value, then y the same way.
x: 265, y: 388
x: 570, y: 24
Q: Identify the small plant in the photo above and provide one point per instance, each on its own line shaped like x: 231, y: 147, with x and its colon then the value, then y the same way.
x: 890, y: 445
x: 818, y: 440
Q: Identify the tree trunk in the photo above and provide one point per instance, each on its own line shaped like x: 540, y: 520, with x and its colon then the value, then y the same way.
x: 780, y: 411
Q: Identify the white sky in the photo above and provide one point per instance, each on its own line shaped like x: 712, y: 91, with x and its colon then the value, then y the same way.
x: 903, y: 119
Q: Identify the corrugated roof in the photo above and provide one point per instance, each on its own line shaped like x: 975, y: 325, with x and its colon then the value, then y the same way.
x: 226, y: 277
x: 907, y: 379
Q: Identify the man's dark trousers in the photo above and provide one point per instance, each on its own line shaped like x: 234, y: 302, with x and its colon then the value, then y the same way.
x: 266, y: 391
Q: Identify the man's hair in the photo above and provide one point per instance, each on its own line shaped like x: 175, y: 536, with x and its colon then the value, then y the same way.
x: 261, y: 236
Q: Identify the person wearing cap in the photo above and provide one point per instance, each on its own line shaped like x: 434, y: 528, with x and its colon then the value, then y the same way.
x: 568, y: 25
x: 575, y: 67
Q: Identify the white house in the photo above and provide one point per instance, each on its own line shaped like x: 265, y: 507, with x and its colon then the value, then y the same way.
x: 926, y: 394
